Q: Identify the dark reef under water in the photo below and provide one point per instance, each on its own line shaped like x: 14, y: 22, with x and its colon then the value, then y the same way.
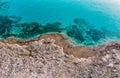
x: 81, y: 31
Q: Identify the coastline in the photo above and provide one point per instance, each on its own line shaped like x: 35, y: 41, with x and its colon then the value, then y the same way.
x: 47, y: 57
x: 61, y: 40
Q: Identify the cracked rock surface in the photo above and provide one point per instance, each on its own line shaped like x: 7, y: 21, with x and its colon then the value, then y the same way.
x: 44, y: 59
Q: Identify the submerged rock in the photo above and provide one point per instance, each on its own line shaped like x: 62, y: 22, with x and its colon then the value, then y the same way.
x: 44, y: 59
x: 3, y: 4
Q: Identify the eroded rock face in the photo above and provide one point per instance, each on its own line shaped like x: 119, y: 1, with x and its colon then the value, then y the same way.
x: 44, y: 59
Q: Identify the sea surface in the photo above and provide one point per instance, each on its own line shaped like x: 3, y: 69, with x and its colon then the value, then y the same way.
x: 87, y: 22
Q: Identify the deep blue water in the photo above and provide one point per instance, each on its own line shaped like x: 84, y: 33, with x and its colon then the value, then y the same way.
x: 87, y: 22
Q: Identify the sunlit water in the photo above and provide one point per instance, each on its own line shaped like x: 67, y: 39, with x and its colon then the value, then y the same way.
x: 102, y: 14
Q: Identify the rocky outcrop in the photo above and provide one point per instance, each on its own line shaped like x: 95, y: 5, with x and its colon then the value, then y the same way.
x: 44, y: 59
x: 60, y: 40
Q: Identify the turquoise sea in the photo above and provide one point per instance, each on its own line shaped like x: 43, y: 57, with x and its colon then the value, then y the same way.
x: 87, y: 22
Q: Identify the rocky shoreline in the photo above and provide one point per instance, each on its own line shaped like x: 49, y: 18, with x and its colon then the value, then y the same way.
x: 68, y: 47
x: 53, y: 56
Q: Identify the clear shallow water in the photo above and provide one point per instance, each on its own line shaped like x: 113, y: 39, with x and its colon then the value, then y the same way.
x: 97, y: 20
